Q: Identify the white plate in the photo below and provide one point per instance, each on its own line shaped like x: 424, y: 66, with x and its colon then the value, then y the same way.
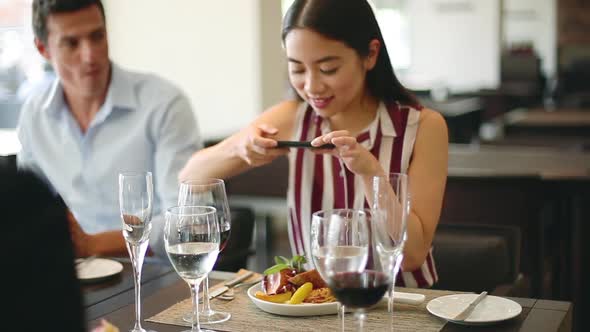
x: 318, y: 309
x: 98, y: 269
x: 492, y: 309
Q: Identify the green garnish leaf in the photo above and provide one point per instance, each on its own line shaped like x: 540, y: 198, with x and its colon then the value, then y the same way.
x: 275, y: 269
x: 298, y: 261
x: 281, y: 260
x: 295, y: 263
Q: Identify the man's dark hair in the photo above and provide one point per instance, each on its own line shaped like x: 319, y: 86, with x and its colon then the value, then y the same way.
x: 43, y: 8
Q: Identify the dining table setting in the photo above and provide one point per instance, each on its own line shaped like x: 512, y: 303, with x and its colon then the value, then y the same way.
x: 166, y: 298
x: 347, y: 281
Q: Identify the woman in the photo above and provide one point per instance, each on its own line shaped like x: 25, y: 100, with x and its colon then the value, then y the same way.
x: 348, y: 95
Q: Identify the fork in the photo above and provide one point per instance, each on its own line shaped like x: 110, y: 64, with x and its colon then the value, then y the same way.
x: 230, y: 293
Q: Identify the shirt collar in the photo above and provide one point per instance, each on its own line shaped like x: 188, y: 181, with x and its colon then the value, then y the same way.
x: 120, y: 95
x: 54, y: 101
x: 383, y: 122
x: 121, y: 89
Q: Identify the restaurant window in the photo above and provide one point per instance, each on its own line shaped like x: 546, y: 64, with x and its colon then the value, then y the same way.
x: 394, y: 23
x: 21, y: 66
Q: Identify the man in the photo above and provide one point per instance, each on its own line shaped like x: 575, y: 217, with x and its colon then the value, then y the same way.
x: 97, y: 120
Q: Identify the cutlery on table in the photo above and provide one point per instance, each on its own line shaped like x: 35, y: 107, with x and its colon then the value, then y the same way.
x: 464, y: 314
x: 230, y: 294
x: 228, y: 284
x: 408, y: 298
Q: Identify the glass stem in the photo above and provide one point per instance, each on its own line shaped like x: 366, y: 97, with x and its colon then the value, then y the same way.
x: 206, y: 304
x: 360, y: 316
x: 341, y: 312
x: 195, y: 325
x: 396, y: 267
x: 390, y: 300
x: 137, y: 254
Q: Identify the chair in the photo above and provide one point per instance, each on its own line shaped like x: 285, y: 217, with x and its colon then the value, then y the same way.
x: 573, y: 85
x: 462, y: 114
x: 236, y: 253
x: 8, y: 163
x: 476, y: 257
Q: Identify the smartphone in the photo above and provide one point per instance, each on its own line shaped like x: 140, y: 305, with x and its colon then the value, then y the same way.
x: 299, y: 144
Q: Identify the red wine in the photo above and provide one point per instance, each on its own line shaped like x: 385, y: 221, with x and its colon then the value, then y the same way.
x: 359, y: 290
x: 223, y: 237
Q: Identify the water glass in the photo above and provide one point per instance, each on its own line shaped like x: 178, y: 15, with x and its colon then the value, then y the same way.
x: 191, y: 239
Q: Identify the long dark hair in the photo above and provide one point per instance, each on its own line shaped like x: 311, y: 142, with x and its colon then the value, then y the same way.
x: 353, y: 23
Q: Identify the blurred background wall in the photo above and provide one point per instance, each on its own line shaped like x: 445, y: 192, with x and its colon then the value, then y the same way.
x: 226, y: 55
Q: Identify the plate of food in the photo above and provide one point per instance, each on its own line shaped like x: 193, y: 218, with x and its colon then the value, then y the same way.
x: 288, y: 290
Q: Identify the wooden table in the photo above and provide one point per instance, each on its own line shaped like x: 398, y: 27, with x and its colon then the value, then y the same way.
x: 102, y: 297
x: 537, y: 315
x: 561, y: 128
x: 570, y: 122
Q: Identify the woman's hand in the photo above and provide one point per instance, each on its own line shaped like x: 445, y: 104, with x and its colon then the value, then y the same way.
x: 356, y: 158
x: 256, y: 147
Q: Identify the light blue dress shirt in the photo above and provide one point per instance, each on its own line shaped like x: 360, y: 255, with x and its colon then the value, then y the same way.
x: 145, y: 124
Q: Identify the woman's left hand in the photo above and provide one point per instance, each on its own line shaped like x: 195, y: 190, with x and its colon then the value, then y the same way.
x: 356, y: 158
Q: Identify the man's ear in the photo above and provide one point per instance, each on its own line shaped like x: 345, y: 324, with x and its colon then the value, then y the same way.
x: 42, y: 49
x: 374, y: 49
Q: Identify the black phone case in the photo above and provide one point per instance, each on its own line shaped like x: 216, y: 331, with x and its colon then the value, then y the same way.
x: 300, y: 144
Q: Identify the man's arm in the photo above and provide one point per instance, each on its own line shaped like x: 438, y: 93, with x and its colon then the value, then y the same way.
x: 110, y: 243
x: 25, y: 160
x: 176, y: 139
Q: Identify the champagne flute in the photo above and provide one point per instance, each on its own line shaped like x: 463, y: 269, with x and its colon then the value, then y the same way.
x: 135, y: 201
x: 391, y: 208
x: 208, y: 192
x: 341, y: 245
x: 191, y: 239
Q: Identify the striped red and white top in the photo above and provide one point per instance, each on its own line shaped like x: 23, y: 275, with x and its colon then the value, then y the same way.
x: 321, y: 182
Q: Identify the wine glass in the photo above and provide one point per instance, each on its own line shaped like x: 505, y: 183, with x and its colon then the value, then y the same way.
x: 391, y: 207
x: 208, y: 192
x: 191, y: 239
x: 341, y: 250
x: 135, y: 201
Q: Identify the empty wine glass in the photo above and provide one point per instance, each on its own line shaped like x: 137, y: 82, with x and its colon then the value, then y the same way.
x: 135, y: 200
x: 391, y: 207
x: 208, y: 192
x: 341, y: 245
x: 191, y: 239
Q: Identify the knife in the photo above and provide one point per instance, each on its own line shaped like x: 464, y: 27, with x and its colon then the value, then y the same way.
x: 464, y: 314
x: 228, y: 284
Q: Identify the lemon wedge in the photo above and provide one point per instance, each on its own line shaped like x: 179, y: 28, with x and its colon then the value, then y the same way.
x: 301, y: 293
